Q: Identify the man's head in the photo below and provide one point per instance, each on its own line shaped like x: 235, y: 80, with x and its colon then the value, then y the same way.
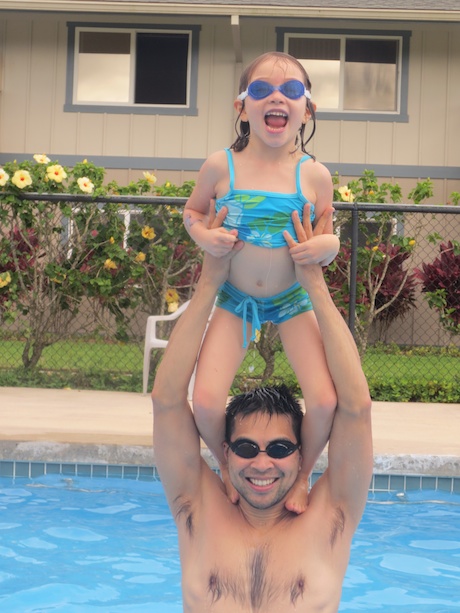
x: 267, y: 401
x: 262, y: 445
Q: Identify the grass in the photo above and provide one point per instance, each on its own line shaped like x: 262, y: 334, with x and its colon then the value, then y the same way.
x: 78, y: 355
x: 392, y: 371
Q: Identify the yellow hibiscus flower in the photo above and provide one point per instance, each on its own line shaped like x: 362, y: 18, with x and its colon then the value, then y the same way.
x: 4, y: 176
x: 110, y: 264
x: 148, y: 233
x: 140, y: 257
x: 21, y: 179
x: 5, y: 279
x: 346, y: 193
x: 41, y: 158
x: 171, y: 296
x: 150, y: 177
x: 172, y: 307
x: 85, y: 185
x: 56, y: 173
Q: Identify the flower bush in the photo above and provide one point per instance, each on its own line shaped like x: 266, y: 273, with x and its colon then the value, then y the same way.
x: 55, y: 255
x: 385, y: 286
x: 440, y: 281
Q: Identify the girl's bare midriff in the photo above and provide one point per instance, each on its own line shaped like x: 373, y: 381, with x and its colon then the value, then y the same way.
x: 261, y: 272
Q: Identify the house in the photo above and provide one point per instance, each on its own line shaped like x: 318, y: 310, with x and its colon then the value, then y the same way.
x: 137, y: 85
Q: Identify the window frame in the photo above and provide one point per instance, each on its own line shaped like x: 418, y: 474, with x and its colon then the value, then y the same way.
x: 74, y: 28
x: 401, y: 114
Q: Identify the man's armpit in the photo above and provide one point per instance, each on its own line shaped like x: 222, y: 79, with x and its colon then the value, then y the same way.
x: 182, y: 509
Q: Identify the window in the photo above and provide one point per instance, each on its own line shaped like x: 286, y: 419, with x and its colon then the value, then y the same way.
x: 132, y: 69
x: 354, y: 75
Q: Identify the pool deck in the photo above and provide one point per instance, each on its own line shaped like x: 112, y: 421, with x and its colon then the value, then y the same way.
x: 116, y: 428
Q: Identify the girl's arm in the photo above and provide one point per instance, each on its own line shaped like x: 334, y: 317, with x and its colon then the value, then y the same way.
x: 322, y: 248
x: 216, y: 241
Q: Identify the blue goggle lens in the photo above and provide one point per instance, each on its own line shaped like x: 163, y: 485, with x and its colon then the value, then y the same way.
x: 291, y: 89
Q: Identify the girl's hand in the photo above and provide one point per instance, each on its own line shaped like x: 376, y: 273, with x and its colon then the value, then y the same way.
x: 222, y: 241
x: 208, y: 232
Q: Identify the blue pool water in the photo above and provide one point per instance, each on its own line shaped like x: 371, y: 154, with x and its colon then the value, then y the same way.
x: 82, y: 545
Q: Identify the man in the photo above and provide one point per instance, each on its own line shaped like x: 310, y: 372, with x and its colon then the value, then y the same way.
x: 256, y: 556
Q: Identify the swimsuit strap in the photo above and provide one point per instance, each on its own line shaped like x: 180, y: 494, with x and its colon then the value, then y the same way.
x: 304, y: 158
x: 231, y: 169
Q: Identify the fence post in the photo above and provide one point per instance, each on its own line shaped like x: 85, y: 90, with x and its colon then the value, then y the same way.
x: 353, y: 267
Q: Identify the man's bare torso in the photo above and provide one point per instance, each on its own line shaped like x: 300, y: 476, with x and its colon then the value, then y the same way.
x: 230, y: 566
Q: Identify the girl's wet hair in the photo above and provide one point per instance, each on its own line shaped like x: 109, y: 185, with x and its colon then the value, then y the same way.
x: 243, y: 129
x: 270, y: 401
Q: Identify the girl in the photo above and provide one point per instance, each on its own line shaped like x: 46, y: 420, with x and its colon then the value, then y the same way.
x: 263, y: 180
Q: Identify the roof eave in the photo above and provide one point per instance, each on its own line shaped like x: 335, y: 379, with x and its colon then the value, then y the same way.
x: 244, y: 10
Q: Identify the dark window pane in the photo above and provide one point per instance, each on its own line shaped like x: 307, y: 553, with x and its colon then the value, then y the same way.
x: 315, y: 48
x: 104, y: 42
x: 161, y: 68
x: 371, y: 51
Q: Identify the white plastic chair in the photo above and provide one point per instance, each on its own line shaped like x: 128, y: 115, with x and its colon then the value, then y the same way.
x: 152, y: 341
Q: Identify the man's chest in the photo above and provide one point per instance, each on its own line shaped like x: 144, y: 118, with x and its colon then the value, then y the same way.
x: 276, y: 575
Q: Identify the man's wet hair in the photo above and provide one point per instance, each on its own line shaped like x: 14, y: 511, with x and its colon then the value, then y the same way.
x: 276, y: 400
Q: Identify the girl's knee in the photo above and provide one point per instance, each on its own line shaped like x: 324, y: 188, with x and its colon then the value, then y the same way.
x: 206, y: 403
x: 324, y: 404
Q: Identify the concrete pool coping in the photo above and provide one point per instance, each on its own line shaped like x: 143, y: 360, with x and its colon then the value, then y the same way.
x: 67, y: 425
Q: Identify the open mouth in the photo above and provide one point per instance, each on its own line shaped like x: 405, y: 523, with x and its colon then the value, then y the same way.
x: 276, y: 119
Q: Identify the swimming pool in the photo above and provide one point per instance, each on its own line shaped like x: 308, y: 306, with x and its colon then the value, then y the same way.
x: 81, y: 545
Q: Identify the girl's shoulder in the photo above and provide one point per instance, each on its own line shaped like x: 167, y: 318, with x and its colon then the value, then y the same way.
x: 218, y: 159
x: 316, y: 180
x: 314, y: 169
x: 214, y: 167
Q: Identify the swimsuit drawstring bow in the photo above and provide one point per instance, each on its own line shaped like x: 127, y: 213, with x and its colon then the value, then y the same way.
x: 255, y: 324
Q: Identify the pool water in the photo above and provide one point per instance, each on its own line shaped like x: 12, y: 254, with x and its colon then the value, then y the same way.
x: 80, y: 545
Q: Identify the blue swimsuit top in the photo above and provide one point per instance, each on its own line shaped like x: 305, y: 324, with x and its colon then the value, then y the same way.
x: 261, y: 217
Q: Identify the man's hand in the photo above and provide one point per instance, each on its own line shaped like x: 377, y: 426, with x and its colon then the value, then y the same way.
x: 315, y: 246
x: 307, y: 264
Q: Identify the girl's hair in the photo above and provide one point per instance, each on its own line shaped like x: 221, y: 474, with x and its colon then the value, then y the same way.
x: 269, y: 401
x: 243, y: 129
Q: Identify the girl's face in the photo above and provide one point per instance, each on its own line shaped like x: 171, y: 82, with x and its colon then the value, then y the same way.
x: 276, y: 119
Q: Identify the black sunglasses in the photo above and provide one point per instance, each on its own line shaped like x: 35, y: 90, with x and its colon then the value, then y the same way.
x: 247, y: 449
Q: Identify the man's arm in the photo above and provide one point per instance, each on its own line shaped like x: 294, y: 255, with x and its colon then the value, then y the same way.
x: 176, y: 439
x: 350, y: 445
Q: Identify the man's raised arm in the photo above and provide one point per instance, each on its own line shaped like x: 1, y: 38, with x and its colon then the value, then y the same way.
x: 350, y: 446
x: 176, y: 440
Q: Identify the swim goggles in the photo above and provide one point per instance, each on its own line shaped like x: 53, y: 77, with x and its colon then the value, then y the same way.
x: 261, y: 89
x: 247, y: 449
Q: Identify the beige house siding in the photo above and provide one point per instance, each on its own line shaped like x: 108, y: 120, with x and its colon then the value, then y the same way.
x: 33, y: 52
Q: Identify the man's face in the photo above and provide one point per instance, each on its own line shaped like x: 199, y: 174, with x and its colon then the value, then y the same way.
x: 263, y: 482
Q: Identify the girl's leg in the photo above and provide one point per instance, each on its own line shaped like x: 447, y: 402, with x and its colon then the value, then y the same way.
x: 303, y: 346
x: 220, y: 357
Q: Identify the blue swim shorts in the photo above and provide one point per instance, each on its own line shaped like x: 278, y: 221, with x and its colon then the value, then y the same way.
x: 256, y: 311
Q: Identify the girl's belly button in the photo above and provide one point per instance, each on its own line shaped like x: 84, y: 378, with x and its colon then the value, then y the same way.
x: 259, y: 283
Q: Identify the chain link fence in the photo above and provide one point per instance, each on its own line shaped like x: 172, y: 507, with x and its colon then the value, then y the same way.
x: 396, y: 281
